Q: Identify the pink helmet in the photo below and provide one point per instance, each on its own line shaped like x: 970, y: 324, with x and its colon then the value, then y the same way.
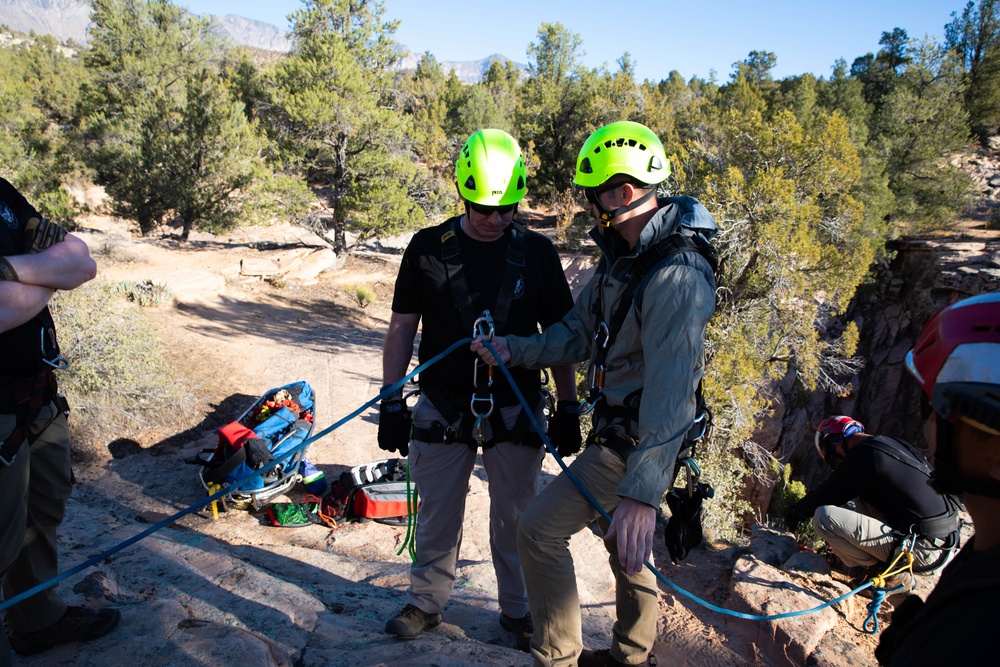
x: 956, y: 361
x: 832, y: 430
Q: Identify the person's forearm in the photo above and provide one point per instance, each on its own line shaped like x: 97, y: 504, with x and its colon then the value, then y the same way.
x: 19, y: 303
x: 398, y: 347
x: 65, y: 265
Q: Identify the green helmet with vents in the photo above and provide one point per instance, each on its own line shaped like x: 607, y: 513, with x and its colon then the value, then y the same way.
x: 624, y: 147
x: 490, y: 169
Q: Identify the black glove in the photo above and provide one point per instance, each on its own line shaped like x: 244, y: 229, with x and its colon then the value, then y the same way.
x: 564, y: 428
x: 394, y: 426
x: 41, y: 234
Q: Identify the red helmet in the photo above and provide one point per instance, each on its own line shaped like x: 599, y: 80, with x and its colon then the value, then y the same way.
x: 956, y: 361
x: 832, y: 430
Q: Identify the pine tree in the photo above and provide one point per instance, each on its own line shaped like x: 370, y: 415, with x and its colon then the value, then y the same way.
x: 336, y: 113
x: 558, y: 107
x: 163, y: 134
x: 975, y: 38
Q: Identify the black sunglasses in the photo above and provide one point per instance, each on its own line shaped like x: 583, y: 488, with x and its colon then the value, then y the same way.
x: 490, y: 210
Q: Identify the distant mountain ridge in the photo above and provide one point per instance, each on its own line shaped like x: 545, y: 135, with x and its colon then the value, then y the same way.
x: 69, y: 19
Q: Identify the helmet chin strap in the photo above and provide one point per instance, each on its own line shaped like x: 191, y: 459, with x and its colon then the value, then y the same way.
x: 945, y: 478
x: 606, y: 216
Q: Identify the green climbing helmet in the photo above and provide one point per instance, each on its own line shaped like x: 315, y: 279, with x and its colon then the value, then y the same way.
x: 490, y: 169
x: 624, y: 147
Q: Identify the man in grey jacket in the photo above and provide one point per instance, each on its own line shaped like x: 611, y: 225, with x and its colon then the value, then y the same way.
x: 646, y: 364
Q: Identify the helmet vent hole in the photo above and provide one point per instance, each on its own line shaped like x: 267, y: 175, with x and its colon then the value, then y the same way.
x: 632, y: 142
x: 520, y: 182
x: 608, y: 143
x: 470, y: 183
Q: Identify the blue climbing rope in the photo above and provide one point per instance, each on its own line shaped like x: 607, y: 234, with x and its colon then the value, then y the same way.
x: 593, y: 501
x: 236, y: 486
x: 879, y: 593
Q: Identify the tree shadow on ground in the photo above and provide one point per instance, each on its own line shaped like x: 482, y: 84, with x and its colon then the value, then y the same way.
x: 316, y: 325
x: 220, y: 414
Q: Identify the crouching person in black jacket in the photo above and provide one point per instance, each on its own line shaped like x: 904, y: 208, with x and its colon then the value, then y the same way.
x: 887, y: 480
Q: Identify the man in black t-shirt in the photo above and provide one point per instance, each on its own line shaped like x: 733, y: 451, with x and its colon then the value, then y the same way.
x: 37, y: 257
x: 449, y: 274
x: 888, y: 481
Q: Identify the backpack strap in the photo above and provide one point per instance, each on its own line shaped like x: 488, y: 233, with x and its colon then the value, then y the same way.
x: 451, y: 255
x: 647, y: 260
x: 24, y: 398
x: 905, y: 453
x: 940, y: 526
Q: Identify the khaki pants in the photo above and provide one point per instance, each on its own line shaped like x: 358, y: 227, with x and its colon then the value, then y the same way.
x: 33, y: 494
x: 862, y: 538
x: 559, y: 512
x: 441, y: 472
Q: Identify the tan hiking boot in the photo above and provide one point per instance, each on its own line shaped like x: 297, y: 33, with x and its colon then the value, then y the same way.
x: 411, y: 622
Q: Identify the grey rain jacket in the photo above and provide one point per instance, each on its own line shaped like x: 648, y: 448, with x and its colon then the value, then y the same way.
x: 659, y: 349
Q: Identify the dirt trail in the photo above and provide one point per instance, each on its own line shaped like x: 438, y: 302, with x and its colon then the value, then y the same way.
x: 234, y: 591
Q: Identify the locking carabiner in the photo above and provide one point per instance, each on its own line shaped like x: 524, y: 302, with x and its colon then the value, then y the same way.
x: 483, y: 326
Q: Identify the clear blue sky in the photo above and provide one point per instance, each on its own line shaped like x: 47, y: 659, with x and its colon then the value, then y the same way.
x: 661, y: 35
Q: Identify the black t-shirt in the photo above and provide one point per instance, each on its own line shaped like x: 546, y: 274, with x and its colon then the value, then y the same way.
x: 897, y: 490
x: 541, y: 296
x: 22, y: 345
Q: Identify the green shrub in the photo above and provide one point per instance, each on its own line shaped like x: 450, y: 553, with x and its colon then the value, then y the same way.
x: 147, y: 293
x: 119, y: 383
x: 787, y: 492
x: 364, y: 295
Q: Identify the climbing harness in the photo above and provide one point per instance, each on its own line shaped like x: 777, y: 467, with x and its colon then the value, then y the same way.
x: 595, y: 376
x: 459, y: 425
x: 593, y: 501
x: 605, y: 331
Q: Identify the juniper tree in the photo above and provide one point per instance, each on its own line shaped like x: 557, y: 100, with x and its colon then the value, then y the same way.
x: 975, y: 38
x: 558, y: 106
x: 165, y: 138
x: 337, y: 114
